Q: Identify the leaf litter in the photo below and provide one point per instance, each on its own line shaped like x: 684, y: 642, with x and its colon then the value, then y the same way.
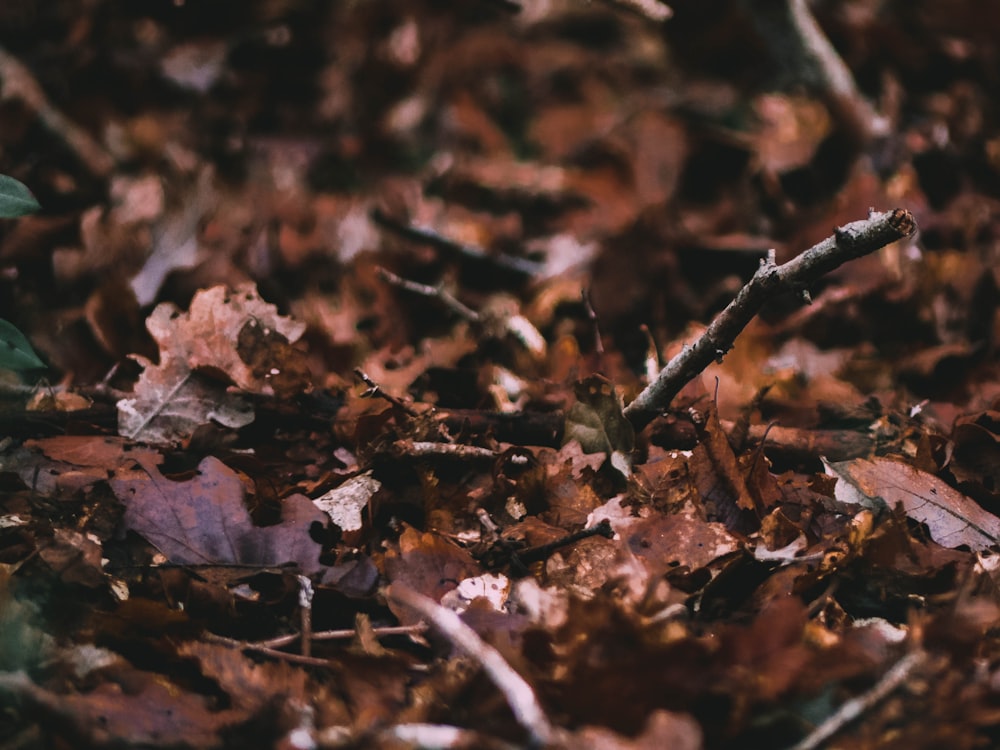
x: 343, y: 309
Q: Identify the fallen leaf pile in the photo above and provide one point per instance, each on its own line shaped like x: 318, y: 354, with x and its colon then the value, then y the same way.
x: 342, y: 305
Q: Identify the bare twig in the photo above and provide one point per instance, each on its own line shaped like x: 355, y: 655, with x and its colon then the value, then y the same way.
x: 790, y: 29
x: 305, y: 614
x: 338, y: 635
x: 435, y: 239
x: 855, y: 707
x: 310, y: 661
x: 650, y: 9
x: 437, y: 292
x: 544, y: 551
x: 19, y: 83
x: 440, y: 736
x: 588, y: 305
x: 520, y: 697
x: 451, y: 450
x: 851, y: 241
x: 376, y: 391
x: 443, y: 736
x: 526, y: 427
x: 508, y: 5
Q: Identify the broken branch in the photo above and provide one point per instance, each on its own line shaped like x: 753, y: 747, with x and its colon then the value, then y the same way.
x: 851, y: 241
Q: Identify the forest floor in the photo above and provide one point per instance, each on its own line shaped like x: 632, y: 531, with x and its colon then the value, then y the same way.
x: 350, y: 310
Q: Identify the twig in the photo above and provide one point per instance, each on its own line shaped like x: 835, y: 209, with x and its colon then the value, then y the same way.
x: 520, y: 697
x: 435, y: 239
x: 310, y: 661
x: 650, y: 9
x: 508, y: 5
x: 851, y: 241
x: 544, y: 551
x: 305, y: 614
x: 339, y: 635
x: 376, y: 391
x: 525, y: 427
x: 451, y: 450
x: 791, y: 30
x: 588, y: 305
x: 19, y: 83
x: 440, y: 736
x: 437, y: 292
x: 855, y: 707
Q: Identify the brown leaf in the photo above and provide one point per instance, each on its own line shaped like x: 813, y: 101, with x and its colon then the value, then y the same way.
x: 174, y: 397
x: 272, y: 359
x: 952, y: 518
x: 151, y: 712
x: 251, y: 685
x: 662, y: 541
x: 204, y: 520
x: 664, y: 729
x: 428, y: 564
x: 106, y: 452
x: 719, y: 478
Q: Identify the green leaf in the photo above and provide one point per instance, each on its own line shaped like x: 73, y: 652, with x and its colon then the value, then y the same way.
x: 597, y: 423
x: 15, y: 199
x: 15, y: 351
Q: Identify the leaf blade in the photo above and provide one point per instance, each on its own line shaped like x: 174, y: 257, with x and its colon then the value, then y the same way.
x: 952, y: 518
x: 15, y: 351
x: 15, y: 199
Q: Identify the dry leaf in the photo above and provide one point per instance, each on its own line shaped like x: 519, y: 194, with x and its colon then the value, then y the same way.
x: 176, y: 396
x: 204, y: 520
x: 952, y: 518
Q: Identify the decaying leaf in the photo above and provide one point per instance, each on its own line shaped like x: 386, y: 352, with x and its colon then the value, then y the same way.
x: 597, y: 423
x: 428, y: 564
x: 346, y: 503
x: 201, y: 351
x: 952, y: 518
x: 170, y: 402
x: 204, y: 521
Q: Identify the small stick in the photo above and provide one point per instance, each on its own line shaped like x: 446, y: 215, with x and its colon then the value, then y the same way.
x: 376, y: 391
x: 508, y: 5
x: 436, y: 239
x: 520, y: 697
x: 305, y: 614
x: 19, y: 83
x: 441, y: 736
x: 311, y: 661
x: 543, y: 551
x: 339, y: 635
x: 648, y: 9
x: 592, y: 317
x: 451, y: 450
x: 855, y: 707
x: 652, y: 354
x: 437, y: 292
x: 851, y: 241
x: 789, y: 28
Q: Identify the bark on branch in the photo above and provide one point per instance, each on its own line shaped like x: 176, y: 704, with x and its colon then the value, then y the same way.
x: 851, y: 241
